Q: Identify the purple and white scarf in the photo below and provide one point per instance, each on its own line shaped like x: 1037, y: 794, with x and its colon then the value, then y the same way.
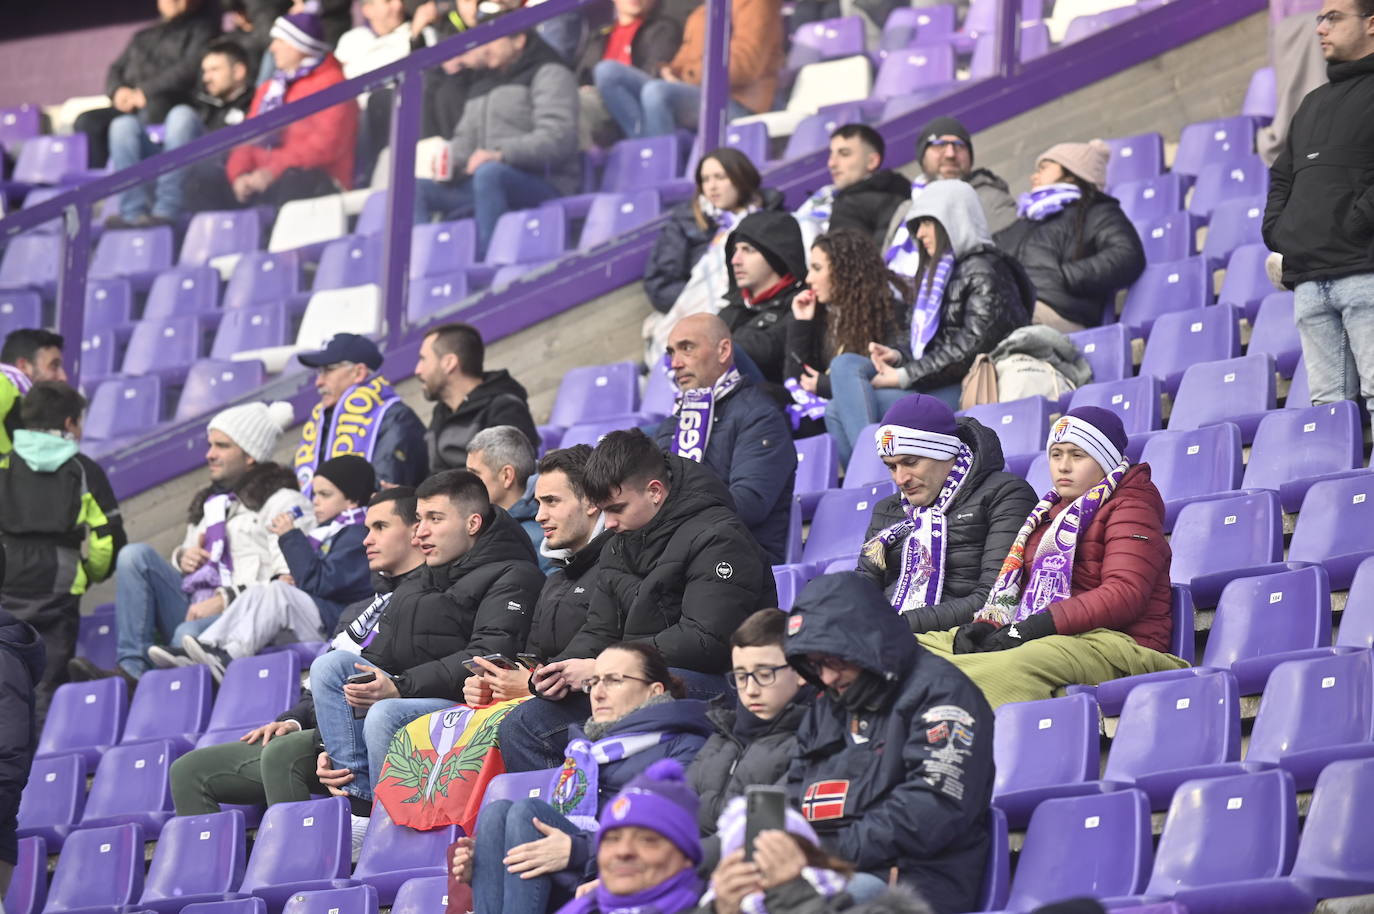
x: 17, y: 377
x: 925, y: 314
x: 320, y: 536
x: 573, y: 791
x: 218, y: 570
x: 920, y: 582
x: 675, y: 895
x: 903, y: 256
x: 1051, y: 572
x: 275, y: 96
x: 725, y: 220
x: 1043, y: 202
x: 804, y: 405
x: 695, y: 411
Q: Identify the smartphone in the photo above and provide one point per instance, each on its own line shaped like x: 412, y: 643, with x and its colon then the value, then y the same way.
x: 499, y: 660
x: 765, y: 808
x: 360, y: 678
x: 530, y: 661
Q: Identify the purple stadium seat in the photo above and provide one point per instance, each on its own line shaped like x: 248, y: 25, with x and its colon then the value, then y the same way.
x: 95, y: 639
x: 431, y: 294
x: 166, y: 346
x: 1294, y: 448
x: 1081, y: 27
x: 1229, y: 139
x: 1193, y: 465
x: 1234, y: 223
x: 123, y: 406
x: 29, y: 882
x: 1038, y: 474
x: 1261, y: 96
x: 982, y: 17
x: 789, y: 580
x: 261, y: 278
x: 817, y: 471
x: 826, y: 39
x: 139, y: 254
x: 1107, y: 350
x: 211, y: 234
x: 1334, y: 527
x: 906, y: 26
x: 997, y: 869
x: 109, y: 303
x: 1180, y: 285
x: 182, y: 292
x: 1218, y: 540
x: 1168, y: 238
x: 1298, y: 395
x: 526, y: 236
x: 442, y: 247
x: 86, y: 718
x: 300, y: 847
x: 170, y: 704
x: 612, y: 215
x: 1183, y: 338
x: 1043, y: 749
x: 813, y: 133
x: 357, y: 899
x: 518, y: 785
x: 1093, y: 845
x: 31, y: 260
x: 249, y: 905
x: 660, y: 395
x: 1034, y: 42
x: 1135, y: 158
x: 17, y: 124
x: 638, y: 164
x: 1246, y: 283
x: 1276, y: 332
x: 39, y: 195
x: 590, y: 433
x: 1021, y: 426
x: 354, y: 260
x: 198, y: 859
x: 425, y: 895
x: 212, y: 384
x: 1135, y: 400
x: 52, y: 802
x: 372, y: 218
x: 248, y: 328
x: 19, y: 308
x: 596, y: 392
x: 841, y: 520
x: 132, y: 784
x: 256, y: 689
x: 865, y: 467
x: 394, y: 853
x: 750, y: 138
x: 1238, y: 390
x: 1227, y: 180
x: 47, y: 159
x: 1144, y: 199
x: 911, y: 72
x: 99, y: 868
x: 99, y: 355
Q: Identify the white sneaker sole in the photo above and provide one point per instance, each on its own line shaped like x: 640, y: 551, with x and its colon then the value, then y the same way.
x: 196, y: 651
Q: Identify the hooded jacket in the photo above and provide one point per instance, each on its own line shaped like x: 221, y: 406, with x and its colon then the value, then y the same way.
x: 498, y: 400
x: 904, y: 779
x: 987, y: 296
x: 750, y: 450
x: 980, y: 525
x: 1078, y: 280
x: 163, y: 60
x: 562, y: 607
x: 684, y: 581
x: 760, y: 327
x: 1320, y: 213
x: 22, y: 659
x: 479, y: 604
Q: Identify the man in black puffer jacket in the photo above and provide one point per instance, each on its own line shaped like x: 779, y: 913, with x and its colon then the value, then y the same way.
x: 894, y: 760
x: 862, y: 194
x: 980, y: 509
x: 767, y: 270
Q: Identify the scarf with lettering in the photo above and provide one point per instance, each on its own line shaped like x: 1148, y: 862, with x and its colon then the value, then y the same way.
x: 1051, y: 572
x: 17, y: 377
x: 695, y: 410
x: 360, y: 632
x: 804, y: 405
x: 275, y: 96
x: 1043, y: 202
x: 573, y: 791
x: 925, y: 314
x: 218, y: 570
x: 320, y: 536
x: 354, y: 423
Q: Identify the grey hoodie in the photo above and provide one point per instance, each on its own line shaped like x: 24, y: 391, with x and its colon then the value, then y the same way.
x: 955, y: 205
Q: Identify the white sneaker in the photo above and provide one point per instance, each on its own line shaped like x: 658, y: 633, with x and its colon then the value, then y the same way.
x: 359, y: 832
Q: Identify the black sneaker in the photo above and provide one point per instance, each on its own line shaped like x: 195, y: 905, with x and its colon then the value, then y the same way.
x: 216, y: 658
x: 168, y: 658
x: 79, y: 669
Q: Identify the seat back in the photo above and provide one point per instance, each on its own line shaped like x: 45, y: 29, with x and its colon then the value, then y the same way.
x: 432, y: 294
x: 907, y: 25
x: 817, y: 464
x: 1183, y: 338
x: 308, y: 222
x: 1247, y: 279
x: 442, y: 247
x: 300, y: 842
x: 912, y: 69
x: 357, y: 899
x: 423, y: 895
x: 1228, y: 139
x: 29, y: 881
x: 20, y: 308
x: 256, y: 689
x: 211, y: 234
x: 826, y: 39
x: 45, y: 159
x: 841, y: 520
x: 99, y: 867
x: 19, y: 123
x: 248, y: 328
x: 1200, y: 461
x: 1136, y: 400
x: 1357, y: 622
x: 355, y: 310
x: 55, y: 794
x: 1235, y: 222
x: 162, y: 343
x: 1176, y: 723
x: 1179, y: 285
x: 865, y: 467
x: 833, y: 82
x: 85, y: 715
x: 354, y: 260
x: 529, y: 235
x: 123, y: 406
x: 596, y: 392
x: 1238, y: 531
x: 1217, y: 181
x: 182, y: 291
x: 1276, y: 332
x: 1335, y: 838
x: 1135, y: 158
x: 1039, y: 743
x: 1314, y: 704
x: 109, y: 303
x: 814, y: 131
x: 391, y: 848
x: 169, y: 703
x: 1144, y: 199
x: 1293, y: 443
x: 1021, y: 425
x: 639, y: 164
x: 1270, y: 614
x: 1261, y: 95
x: 1225, y: 389
x: 99, y: 354
x: 612, y: 215
x: 1168, y: 238
x: 30, y: 260
x: 125, y: 252
x: 372, y: 217
x: 1334, y: 526
x: 518, y: 785
x: 261, y: 278
x: 131, y: 780
x: 212, y: 384
x: 197, y: 855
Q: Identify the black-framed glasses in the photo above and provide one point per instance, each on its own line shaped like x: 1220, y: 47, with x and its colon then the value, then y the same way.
x: 610, y: 681
x: 764, y: 676
x: 1336, y: 16
x: 952, y: 143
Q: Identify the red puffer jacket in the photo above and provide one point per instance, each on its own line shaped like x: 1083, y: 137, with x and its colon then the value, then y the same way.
x: 1121, y: 567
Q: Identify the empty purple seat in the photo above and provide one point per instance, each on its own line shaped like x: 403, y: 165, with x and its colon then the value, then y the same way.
x: 1221, y: 539
x: 590, y: 433
x: 1179, y: 285
x: 1226, y: 180
x: 300, y: 847
x: 19, y: 123
x: 660, y: 394
x: 166, y: 346
x: 1168, y: 238
x: 139, y: 254
x: 1246, y: 283
x: 1020, y: 425
x: 109, y: 303
x: 31, y: 260
x: 425, y: 895
x: 840, y: 522
x: 906, y: 26
x: 437, y: 248
x: 1335, y: 527
x: 372, y: 218
x: 95, y: 638
x: 1238, y: 390
x: 181, y: 292
x: 19, y: 308
x: 612, y: 215
x: 912, y: 71
x: 1234, y: 223
x: 212, y: 384
x: 248, y: 328
x: 1135, y: 158
x: 997, y: 869
x: 1276, y: 332
x: 29, y: 881
x: 1261, y: 96
x: 865, y: 467
x: 1192, y: 465
x: 1144, y: 199
x: 826, y: 39
x: 789, y: 580
x: 86, y: 718
x: 1294, y: 448
x: 1093, y: 845
x: 1081, y: 27
x: 813, y: 133
x: 249, y: 905
x: 1183, y: 338
x: 596, y: 392
x: 99, y: 868
x: 132, y: 784
x: 518, y: 785
x: 256, y: 689
x: 53, y: 799
x: 1107, y: 350
x: 211, y: 234
x: 530, y: 235
x: 123, y: 406
x: 394, y: 853
x: 47, y: 159
x: 1135, y: 400
x: 198, y: 859
x: 355, y: 260
x: 1043, y: 749
x: 99, y: 355
x: 1228, y: 139
x: 637, y: 164
x: 170, y: 704
x: 261, y: 278
x: 431, y: 294
x: 357, y: 899
x: 817, y: 471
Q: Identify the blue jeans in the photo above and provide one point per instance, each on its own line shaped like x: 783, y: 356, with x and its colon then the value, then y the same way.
x: 502, y: 825
x: 619, y: 86
x: 533, y: 734
x: 854, y: 401
x: 493, y: 190
x: 129, y: 145
x: 148, y: 601
x: 359, y: 745
x: 1335, y: 319
x: 645, y: 106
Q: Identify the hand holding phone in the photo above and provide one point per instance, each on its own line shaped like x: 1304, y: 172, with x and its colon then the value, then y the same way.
x: 765, y: 809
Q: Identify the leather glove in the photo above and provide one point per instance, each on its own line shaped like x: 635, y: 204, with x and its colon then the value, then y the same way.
x: 1018, y: 633
x: 970, y: 637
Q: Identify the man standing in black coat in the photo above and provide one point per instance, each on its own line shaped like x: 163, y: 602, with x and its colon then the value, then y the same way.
x: 1320, y: 214
x: 21, y: 667
x: 727, y: 423
x: 936, y: 546
x: 894, y: 760
x: 767, y: 270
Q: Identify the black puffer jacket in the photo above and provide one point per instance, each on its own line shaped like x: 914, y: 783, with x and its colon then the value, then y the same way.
x: 163, y: 61
x: 1320, y: 214
x: 562, y: 606
x: 980, y: 525
x: 480, y: 604
x: 1078, y: 281
x: 498, y: 400
x: 869, y: 205
x: 684, y: 581
x: 679, y: 246
x: 760, y: 327
x: 22, y: 658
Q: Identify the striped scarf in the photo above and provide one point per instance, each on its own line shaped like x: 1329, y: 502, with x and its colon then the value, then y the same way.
x: 695, y: 410
x: 218, y: 570
x: 1043, y: 202
x: 347, y: 518
x: 804, y: 405
x: 925, y: 315
x: 903, y: 256
x: 17, y: 377
x: 275, y: 96
x: 575, y: 786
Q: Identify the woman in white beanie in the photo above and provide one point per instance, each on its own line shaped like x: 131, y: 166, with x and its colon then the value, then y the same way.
x: 1073, y: 239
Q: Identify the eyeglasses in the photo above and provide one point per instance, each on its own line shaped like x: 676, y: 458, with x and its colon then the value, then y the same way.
x: 955, y: 144
x: 764, y: 676
x: 610, y: 681
x: 826, y: 662
x: 1336, y: 16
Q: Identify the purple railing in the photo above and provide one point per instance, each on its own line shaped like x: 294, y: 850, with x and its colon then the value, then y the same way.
x: 577, y: 277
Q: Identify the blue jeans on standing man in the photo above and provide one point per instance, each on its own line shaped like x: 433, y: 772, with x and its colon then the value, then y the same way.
x: 129, y: 144
x: 494, y: 189
x: 1335, y: 319
x: 645, y: 106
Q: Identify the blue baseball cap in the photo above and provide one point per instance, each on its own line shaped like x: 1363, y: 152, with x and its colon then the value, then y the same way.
x: 344, y: 347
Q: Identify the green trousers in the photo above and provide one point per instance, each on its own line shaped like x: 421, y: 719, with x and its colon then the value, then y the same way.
x: 246, y: 774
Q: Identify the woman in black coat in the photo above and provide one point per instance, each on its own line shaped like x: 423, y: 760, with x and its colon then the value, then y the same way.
x: 1074, y: 241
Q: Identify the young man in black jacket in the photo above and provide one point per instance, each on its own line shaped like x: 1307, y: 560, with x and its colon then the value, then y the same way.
x: 767, y: 270
x: 862, y: 194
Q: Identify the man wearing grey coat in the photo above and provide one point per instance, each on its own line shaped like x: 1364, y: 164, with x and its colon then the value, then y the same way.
x: 516, y: 143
